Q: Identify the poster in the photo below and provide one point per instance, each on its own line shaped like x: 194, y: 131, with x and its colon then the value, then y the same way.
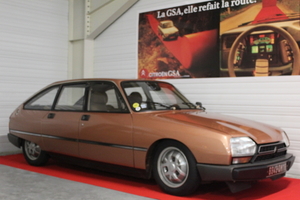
x: 224, y: 38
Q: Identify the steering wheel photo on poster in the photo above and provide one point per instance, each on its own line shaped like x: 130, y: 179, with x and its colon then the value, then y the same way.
x: 256, y: 59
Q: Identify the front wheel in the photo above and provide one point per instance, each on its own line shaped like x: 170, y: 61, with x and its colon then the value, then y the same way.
x: 34, y: 154
x: 175, y: 169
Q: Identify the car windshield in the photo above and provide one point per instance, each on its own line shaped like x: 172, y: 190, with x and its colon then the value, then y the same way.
x: 168, y: 24
x: 151, y: 95
x: 274, y: 18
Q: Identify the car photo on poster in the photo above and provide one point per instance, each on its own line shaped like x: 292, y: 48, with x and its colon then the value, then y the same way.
x: 167, y: 30
x: 146, y: 129
x: 178, y: 43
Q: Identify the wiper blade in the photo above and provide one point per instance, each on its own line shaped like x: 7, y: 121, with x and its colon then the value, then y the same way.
x: 174, y: 107
x: 289, y: 14
x: 293, y: 15
x: 189, y: 104
x: 280, y: 17
x: 245, y: 23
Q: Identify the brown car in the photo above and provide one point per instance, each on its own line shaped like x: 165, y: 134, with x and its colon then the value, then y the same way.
x: 146, y: 129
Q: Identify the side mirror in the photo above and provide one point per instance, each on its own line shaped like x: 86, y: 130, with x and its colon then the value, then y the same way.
x: 199, y: 106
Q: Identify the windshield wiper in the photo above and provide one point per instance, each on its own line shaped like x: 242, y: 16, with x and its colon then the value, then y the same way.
x: 189, y: 104
x: 245, y: 23
x: 174, y: 107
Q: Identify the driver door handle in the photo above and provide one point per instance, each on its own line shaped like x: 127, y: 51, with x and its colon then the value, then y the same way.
x: 51, y: 115
x: 85, y: 117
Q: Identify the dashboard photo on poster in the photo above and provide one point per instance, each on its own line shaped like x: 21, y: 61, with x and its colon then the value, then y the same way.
x: 260, y: 38
x: 179, y: 42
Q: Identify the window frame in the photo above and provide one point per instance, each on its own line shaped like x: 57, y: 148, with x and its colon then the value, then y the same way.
x: 117, y: 93
x: 120, y: 98
x: 36, y: 97
x: 61, y: 89
x: 149, y: 95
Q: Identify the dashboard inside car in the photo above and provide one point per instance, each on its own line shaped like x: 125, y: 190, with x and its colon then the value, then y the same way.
x: 267, y: 45
x: 270, y: 46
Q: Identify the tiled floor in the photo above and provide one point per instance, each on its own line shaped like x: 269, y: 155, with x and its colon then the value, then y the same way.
x: 18, y: 184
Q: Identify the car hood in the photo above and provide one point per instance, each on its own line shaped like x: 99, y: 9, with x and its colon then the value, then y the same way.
x: 229, y: 125
x: 290, y: 25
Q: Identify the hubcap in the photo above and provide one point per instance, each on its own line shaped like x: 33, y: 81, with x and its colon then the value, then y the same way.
x: 173, y: 167
x: 33, y: 150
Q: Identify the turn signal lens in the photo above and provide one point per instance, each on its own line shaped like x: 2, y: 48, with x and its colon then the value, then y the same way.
x: 241, y: 160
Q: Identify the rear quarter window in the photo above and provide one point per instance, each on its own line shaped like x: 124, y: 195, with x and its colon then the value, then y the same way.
x: 42, y: 101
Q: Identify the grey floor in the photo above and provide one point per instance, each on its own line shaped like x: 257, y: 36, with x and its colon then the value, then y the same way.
x: 18, y: 184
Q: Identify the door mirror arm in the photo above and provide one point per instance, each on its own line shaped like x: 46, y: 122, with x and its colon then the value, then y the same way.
x: 199, y: 106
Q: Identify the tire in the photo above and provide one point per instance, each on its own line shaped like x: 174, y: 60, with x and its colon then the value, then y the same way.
x: 175, y: 169
x: 33, y: 154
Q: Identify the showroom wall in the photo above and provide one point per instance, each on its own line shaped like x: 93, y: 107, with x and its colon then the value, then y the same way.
x: 273, y: 100
x: 33, y: 52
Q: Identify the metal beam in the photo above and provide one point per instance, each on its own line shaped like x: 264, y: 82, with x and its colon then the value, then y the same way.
x: 88, y: 19
x: 102, y: 15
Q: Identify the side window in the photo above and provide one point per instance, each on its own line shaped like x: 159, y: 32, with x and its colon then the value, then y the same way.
x: 105, y: 97
x: 134, y: 90
x: 164, y: 96
x: 136, y: 97
x: 112, y: 98
x: 42, y: 101
x: 71, y: 98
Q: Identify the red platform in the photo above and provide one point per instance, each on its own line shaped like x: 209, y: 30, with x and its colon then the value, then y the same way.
x: 284, y: 188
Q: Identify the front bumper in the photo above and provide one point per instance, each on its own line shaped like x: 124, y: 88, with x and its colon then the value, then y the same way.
x: 243, y: 172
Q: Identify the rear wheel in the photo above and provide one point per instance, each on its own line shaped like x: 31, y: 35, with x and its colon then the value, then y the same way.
x: 175, y: 169
x: 34, y: 154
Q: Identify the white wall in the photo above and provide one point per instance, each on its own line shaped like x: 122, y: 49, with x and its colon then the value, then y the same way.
x: 273, y: 100
x: 33, y: 52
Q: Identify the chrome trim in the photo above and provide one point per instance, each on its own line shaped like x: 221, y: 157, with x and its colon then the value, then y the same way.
x: 81, y: 141
x: 282, y: 149
x: 140, y: 149
x: 44, y: 136
x: 25, y: 133
x: 266, y: 152
x: 276, y: 149
x: 106, y: 144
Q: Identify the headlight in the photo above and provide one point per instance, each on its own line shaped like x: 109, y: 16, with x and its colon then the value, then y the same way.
x: 285, y: 139
x: 242, y: 146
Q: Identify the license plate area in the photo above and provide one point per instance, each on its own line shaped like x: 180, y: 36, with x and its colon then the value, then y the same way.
x: 276, y: 169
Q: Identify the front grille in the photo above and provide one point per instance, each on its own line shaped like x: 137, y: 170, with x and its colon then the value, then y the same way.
x: 269, y: 151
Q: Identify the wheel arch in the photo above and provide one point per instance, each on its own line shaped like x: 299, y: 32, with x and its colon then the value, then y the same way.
x: 152, y: 151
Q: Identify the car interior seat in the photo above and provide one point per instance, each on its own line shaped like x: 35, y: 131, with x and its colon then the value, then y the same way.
x: 135, y: 97
x: 98, y: 101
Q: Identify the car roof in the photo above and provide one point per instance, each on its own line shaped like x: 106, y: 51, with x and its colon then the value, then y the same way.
x: 117, y: 81
x: 87, y: 79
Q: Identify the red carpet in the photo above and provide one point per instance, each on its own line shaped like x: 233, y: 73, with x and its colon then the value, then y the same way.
x: 285, y: 188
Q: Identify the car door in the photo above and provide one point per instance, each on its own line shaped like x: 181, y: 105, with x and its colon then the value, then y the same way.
x: 60, y: 125
x: 27, y: 120
x: 105, y: 132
